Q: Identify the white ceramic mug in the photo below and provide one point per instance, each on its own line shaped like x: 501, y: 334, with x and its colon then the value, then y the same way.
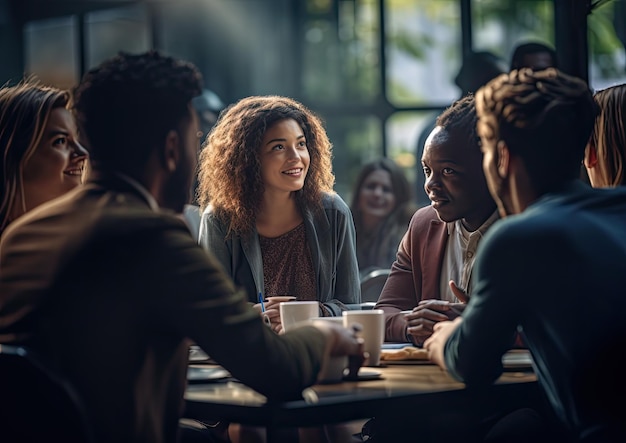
x: 373, y: 332
x: 293, y: 312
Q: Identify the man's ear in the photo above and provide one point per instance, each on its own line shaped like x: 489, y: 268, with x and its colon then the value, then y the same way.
x: 591, y: 156
x: 171, y: 151
x: 504, y: 159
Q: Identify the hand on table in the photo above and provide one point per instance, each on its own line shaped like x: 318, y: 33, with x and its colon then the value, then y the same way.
x: 436, y: 343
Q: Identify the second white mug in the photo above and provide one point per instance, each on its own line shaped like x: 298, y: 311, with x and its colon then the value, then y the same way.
x: 373, y: 333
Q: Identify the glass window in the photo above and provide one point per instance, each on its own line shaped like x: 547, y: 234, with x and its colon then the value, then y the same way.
x: 113, y: 30
x: 340, y: 51
x: 607, y: 38
x: 356, y: 140
x: 406, y: 133
x: 499, y: 26
x: 423, y: 51
x: 51, y: 51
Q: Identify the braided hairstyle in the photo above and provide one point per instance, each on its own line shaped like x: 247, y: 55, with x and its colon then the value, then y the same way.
x: 545, y: 117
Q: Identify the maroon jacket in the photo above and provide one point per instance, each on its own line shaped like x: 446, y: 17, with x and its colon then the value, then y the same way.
x: 415, y: 275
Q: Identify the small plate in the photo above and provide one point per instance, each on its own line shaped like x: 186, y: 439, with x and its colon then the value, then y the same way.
x: 390, y: 345
x: 366, y: 374
x: 280, y: 298
x: 196, y: 354
x: 406, y: 362
x: 199, y: 374
x: 517, y: 359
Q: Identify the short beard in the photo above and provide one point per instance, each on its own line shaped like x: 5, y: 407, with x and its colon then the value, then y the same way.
x: 177, y: 191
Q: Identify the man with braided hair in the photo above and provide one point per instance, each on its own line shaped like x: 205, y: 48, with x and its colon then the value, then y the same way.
x: 553, y: 269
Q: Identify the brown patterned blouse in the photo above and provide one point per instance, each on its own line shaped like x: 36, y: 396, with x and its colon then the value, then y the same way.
x: 287, y: 265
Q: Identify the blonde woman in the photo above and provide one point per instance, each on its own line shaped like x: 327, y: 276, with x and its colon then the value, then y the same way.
x: 605, y: 155
x: 41, y: 157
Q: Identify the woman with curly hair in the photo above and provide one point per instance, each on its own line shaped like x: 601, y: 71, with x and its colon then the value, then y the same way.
x: 270, y: 215
x: 41, y: 157
x: 605, y: 155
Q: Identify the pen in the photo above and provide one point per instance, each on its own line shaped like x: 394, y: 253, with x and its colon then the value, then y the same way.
x: 266, y: 319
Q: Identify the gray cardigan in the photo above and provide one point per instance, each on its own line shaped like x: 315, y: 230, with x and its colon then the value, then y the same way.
x: 331, y: 238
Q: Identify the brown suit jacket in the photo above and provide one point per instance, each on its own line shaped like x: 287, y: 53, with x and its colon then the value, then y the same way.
x: 415, y: 275
x: 111, y: 293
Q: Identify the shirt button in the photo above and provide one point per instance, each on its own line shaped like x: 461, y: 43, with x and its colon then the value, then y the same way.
x: 470, y: 254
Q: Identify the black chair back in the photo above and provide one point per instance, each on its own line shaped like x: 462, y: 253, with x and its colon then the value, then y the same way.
x: 36, y: 404
x: 372, y: 284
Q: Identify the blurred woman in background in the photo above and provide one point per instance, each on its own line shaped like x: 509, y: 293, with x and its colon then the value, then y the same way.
x: 382, y: 208
x: 605, y: 155
x: 41, y: 157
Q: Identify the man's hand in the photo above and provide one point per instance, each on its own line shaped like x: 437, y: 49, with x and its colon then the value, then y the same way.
x: 343, y: 341
x: 437, y: 342
x: 427, y: 314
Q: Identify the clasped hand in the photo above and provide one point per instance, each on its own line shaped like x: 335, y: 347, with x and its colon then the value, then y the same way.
x: 421, y: 321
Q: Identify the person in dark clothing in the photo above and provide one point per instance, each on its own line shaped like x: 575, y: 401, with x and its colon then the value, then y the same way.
x: 554, y: 263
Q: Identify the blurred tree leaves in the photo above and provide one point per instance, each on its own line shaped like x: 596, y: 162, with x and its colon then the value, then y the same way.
x: 604, y: 43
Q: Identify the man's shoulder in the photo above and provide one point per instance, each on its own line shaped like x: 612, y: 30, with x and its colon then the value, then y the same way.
x: 558, y: 219
x: 126, y: 213
x: 424, y: 224
x: 565, y: 211
x: 423, y: 217
x: 98, y: 215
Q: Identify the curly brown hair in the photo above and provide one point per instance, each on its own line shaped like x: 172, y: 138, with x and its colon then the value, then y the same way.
x: 545, y: 117
x: 230, y: 169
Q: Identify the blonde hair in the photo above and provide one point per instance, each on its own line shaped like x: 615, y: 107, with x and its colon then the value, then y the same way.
x: 24, y: 112
x: 230, y: 170
x: 609, y: 136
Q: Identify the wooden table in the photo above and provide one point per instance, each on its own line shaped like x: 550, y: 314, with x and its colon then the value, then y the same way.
x: 414, y: 391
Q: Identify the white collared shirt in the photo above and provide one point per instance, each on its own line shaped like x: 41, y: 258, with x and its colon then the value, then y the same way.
x: 459, y: 256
